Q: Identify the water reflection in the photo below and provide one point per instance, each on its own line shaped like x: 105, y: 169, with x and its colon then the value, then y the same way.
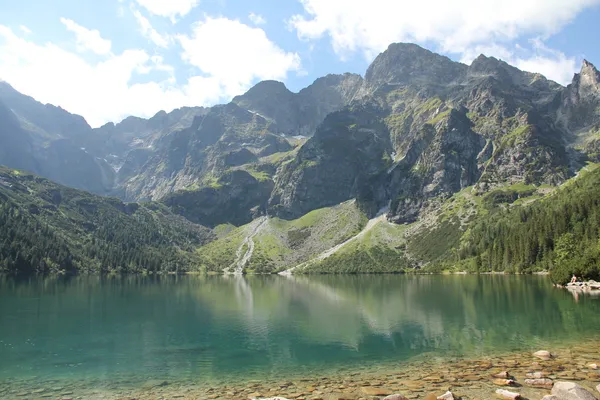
x: 208, y: 327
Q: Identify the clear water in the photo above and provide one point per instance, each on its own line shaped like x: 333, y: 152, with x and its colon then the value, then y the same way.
x: 211, y: 328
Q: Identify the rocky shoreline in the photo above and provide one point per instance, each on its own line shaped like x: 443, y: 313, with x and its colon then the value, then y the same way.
x: 563, y: 374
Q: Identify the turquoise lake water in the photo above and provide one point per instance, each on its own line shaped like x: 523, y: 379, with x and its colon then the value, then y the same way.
x: 211, y: 328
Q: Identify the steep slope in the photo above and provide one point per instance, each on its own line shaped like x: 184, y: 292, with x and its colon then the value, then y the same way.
x: 278, y: 244
x: 433, y: 128
x: 46, y: 227
x: 300, y: 113
x: 45, y: 140
x: 116, y: 141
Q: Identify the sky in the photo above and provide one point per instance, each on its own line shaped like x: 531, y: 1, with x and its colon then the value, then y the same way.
x: 109, y: 59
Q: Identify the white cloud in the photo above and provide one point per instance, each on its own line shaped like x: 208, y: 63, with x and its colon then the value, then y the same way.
x: 87, y: 39
x: 370, y: 26
x: 25, y: 29
x: 169, y: 8
x: 149, y: 32
x: 235, y: 54
x: 230, y: 55
x: 257, y: 19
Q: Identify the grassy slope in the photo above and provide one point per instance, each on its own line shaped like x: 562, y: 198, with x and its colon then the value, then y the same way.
x: 281, y: 244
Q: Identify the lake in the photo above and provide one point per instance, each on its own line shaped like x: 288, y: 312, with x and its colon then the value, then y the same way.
x: 217, y: 329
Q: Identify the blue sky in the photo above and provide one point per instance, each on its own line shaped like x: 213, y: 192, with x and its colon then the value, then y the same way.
x: 109, y: 59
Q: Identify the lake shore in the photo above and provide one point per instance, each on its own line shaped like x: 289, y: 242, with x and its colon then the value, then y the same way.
x: 427, y: 377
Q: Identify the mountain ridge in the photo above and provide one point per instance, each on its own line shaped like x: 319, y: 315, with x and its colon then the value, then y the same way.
x: 440, y: 125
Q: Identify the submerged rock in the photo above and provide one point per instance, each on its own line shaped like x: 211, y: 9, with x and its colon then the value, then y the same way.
x: 505, y: 394
x: 539, y: 382
x: 501, y: 375
x: 571, y: 391
x: 543, y: 355
x: 375, y: 391
x: 395, y: 397
x: 536, y: 375
x: 446, y: 396
x: 503, y: 382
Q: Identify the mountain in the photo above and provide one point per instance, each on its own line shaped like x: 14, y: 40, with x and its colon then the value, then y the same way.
x: 46, y: 227
x: 45, y: 140
x: 421, y: 141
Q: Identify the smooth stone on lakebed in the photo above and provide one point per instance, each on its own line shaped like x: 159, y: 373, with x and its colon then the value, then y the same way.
x: 395, y: 397
x: 503, y: 382
x: 505, y: 394
x: 536, y: 375
x: 539, y: 382
x: 543, y: 355
x: 571, y: 391
x: 375, y: 391
x: 446, y: 396
x: 501, y: 375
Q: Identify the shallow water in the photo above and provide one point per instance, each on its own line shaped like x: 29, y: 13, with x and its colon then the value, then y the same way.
x: 207, y: 329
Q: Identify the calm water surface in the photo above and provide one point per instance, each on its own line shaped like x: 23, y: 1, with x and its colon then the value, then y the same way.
x: 207, y: 328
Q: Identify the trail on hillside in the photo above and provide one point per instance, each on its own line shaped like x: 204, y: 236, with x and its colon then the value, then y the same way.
x: 242, y: 257
x: 380, y: 217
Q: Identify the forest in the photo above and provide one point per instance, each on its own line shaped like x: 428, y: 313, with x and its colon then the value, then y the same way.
x: 559, y: 233
x: 45, y: 227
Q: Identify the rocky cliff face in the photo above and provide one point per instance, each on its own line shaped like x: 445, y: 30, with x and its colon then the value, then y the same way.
x: 300, y: 113
x: 46, y: 140
x: 419, y: 127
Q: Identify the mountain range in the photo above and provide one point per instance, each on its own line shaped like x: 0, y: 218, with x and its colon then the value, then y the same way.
x: 416, y: 134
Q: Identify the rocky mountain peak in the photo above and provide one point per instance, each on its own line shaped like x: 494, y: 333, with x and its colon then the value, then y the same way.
x: 406, y: 63
x: 588, y: 78
x: 500, y: 70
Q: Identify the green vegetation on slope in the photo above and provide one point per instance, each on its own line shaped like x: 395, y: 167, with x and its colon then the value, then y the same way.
x: 280, y: 244
x: 559, y: 233
x: 379, y: 250
x: 45, y: 227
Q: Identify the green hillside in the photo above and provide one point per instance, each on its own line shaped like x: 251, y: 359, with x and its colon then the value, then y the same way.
x: 46, y: 227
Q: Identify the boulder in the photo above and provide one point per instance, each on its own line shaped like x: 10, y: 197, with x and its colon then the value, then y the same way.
x: 505, y: 394
x: 571, y: 391
x: 539, y: 383
x: 543, y: 355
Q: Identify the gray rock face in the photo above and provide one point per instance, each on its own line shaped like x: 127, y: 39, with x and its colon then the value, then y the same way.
x: 300, y: 113
x: 409, y: 64
x: 580, y: 106
x: 348, y: 150
x: 238, y: 198
x: 571, y: 391
x: 42, y: 139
